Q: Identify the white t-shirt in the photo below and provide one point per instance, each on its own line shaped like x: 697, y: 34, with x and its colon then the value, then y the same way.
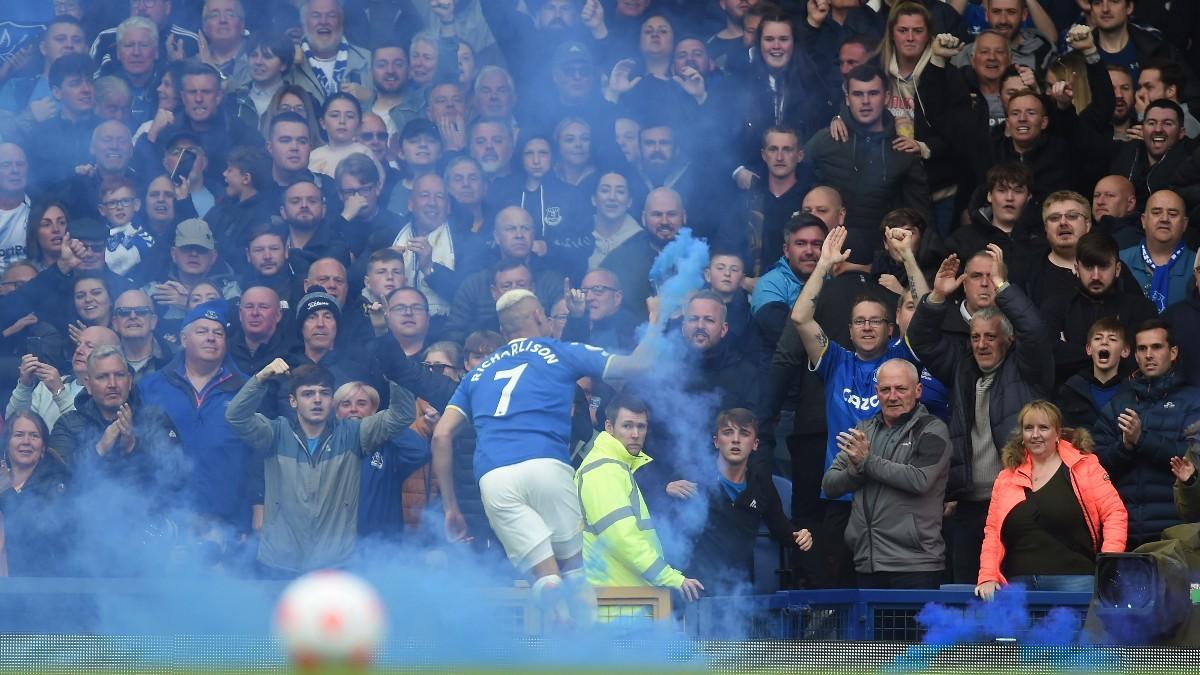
x: 13, y: 225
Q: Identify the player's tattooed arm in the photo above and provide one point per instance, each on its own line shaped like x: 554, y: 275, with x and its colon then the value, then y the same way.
x: 822, y: 340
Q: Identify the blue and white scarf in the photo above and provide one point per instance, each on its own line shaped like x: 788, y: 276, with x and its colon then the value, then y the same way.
x: 339, y: 66
x: 1160, y: 277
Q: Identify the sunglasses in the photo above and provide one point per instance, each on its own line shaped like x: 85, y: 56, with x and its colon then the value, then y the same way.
x: 437, y: 368
x: 126, y: 312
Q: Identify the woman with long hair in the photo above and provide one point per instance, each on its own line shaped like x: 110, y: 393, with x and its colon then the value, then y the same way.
x: 48, y: 224
x: 293, y: 98
x: 33, y: 482
x: 341, y: 117
x: 573, y: 147
x: 1053, y: 509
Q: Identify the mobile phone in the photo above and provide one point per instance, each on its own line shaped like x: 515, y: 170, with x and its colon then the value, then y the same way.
x: 353, y: 77
x: 33, y: 345
x: 183, y: 168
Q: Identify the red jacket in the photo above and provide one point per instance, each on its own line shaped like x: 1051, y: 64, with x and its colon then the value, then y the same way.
x: 1103, y: 510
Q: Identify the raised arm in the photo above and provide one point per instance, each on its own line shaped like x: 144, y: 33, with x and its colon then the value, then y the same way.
x: 252, y: 426
x: 899, y: 240
x: 938, y: 352
x: 376, y: 429
x: 803, y: 312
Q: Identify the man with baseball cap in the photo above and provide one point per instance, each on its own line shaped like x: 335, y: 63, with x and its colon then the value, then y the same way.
x: 194, y: 389
x: 194, y: 259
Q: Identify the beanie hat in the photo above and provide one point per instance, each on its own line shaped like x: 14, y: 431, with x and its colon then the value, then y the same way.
x: 315, y: 300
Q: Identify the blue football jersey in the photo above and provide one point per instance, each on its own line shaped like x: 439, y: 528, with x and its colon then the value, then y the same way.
x: 519, y: 399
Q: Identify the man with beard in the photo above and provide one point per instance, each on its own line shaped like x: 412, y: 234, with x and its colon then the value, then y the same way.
x: 1123, y: 118
x: 1146, y: 424
x: 330, y: 62
x: 662, y: 218
x: 1028, y: 48
x: 1152, y: 162
x: 310, y: 236
x: 395, y: 101
x: 1095, y: 295
x: 1161, y: 264
x: 777, y: 290
x: 530, y: 40
x: 289, y: 144
x: 491, y: 144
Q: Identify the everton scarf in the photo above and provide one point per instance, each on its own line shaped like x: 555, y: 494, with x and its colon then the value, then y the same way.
x: 339, y: 66
x: 1160, y: 277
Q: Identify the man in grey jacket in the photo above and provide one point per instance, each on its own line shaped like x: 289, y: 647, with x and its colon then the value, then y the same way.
x: 896, y: 463
x: 313, y: 466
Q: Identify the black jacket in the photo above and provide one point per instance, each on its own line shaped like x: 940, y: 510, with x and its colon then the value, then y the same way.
x: 156, y: 467
x: 724, y: 554
x: 1026, y: 373
x: 1023, y: 247
x: 1069, y: 317
x: 1168, y: 409
x: 631, y: 262
x: 230, y: 223
x: 1078, y: 405
x: 872, y: 176
x: 1133, y: 162
x: 1184, y: 318
x: 37, y: 521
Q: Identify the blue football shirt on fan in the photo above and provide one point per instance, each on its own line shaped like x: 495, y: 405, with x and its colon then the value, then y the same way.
x: 519, y: 399
x: 850, y: 391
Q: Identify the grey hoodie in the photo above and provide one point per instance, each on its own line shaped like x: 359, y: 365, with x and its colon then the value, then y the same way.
x: 312, y: 499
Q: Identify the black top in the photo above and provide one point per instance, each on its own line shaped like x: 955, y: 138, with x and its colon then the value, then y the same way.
x: 1046, y: 533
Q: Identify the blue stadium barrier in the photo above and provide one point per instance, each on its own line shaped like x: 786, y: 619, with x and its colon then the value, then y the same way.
x: 836, y: 615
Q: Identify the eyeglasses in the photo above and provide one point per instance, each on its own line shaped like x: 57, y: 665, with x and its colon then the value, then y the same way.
x: 114, y: 203
x: 407, y: 309
x: 873, y: 323
x: 373, y: 135
x: 126, y: 312
x: 598, y: 290
x: 358, y: 191
x: 1073, y: 216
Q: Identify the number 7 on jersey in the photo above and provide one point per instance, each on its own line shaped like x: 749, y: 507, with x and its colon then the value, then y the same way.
x: 513, y: 375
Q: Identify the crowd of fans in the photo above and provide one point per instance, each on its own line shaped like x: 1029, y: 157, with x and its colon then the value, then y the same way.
x: 249, y: 249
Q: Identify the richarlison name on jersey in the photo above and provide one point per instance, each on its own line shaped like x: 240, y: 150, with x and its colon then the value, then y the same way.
x: 512, y: 350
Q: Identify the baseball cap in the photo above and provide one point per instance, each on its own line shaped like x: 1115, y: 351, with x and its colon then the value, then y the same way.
x: 572, y: 52
x: 195, y: 232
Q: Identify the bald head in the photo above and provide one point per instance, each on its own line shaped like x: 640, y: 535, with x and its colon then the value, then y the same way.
x: 1113, y: 196
x: 513, y: 232
x: 664, y: 215
x: 90, y: 338
x: 825, y: 203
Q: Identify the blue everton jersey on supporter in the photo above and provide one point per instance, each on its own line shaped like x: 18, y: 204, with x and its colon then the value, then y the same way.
x: 519, y: 399
x: 850, y: 391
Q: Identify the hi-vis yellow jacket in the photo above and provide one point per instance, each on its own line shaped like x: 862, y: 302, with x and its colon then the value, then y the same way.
x: 620, y: 546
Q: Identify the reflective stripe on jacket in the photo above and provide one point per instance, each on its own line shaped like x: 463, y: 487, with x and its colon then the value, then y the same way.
x: 620, y: 545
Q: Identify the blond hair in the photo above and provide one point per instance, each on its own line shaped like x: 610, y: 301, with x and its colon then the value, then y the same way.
x: 1014, y: 452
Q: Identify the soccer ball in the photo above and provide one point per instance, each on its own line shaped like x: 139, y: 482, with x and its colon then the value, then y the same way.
x: 330, y: 618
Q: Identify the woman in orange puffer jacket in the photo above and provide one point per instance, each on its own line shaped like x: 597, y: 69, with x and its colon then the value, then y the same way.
x: 1053, y: 509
